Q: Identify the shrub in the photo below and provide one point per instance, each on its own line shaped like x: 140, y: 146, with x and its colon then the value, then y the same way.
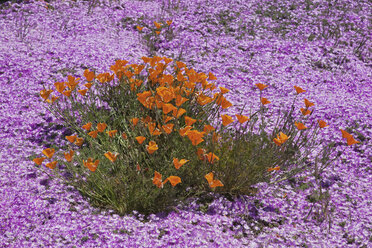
x: 149, y: 135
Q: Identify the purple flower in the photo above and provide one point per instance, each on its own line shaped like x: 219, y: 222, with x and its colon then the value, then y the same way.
x: 253, y: 211
x: 31, y: 175
x: 44, y: 182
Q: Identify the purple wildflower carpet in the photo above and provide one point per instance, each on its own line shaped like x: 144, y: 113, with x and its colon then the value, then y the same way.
x: 322, y: 46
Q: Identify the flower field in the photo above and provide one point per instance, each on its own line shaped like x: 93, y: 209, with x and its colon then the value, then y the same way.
x: 113, y: 110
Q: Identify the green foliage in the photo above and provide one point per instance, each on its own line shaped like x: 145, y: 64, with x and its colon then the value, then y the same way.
x: 125, y: 184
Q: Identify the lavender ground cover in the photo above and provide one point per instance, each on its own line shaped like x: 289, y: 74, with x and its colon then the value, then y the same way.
x: 321, y: 46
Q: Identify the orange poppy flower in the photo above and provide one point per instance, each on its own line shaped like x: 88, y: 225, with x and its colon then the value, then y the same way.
x: 72, y: 82
x: 38, y: 161
x: 225, y: 103
x: 67, y: 93
x: 134, y: 121
x: 90, y: 165
x: 129, y: 74
x: 103, y: 77
x: 261, y: 86
x: 68, y: 155
x: 157, y: 180
x: 79, y: 141
x: 101, y: 127
x: 45, y: 93
x: 305, y: 111
x: 152, y: 126
x: 112, y: 133
x: 157, y: 25
x: 218, y: 97
x: 140, y: 139
x: 242, y: 118
x: 167, y: 60
x: 146, y: 99
x: 119, y: 64
x: 145, y: 59
x: 203, y: 99
x: 89, y: 75
x: 87, y: 126
x: 156, y: 132
x: 154, y: 60
x: 168, y: 107
x: 195, y: 137
x: 206, y: 85
x: 226, y: 120
x: 112, y: 157
x: 300, y: 126
x: 178, y: 164
x: 157, y: 32
x: 350, y: 139
x: 264, y: 101
x: 211, y: 157
x: 93, y: 134
x: 139, y: 28
x: 322, y: 124
x: 166, y: 94
x: 116, y: 67
x: 180, y: 64
x: 83, y: 92
x: 49, y: 152
x: 308, y: 104
x: 60, y: 86
x: 213, y: 182
x: 169, y: 22
x: 185, y: 130
x: 299, y: 90
x: 174, y: 180
x: 178, y: 113
x: 51, y: 165
x: 151, y: 147
x: 189, y: 121
x: 281, y: 138
x: 180, y: 76
x: 137, y: 71
x: 211, y: 76
x: 71, y: 138
x: 168, y: 128
x: 345, y: 134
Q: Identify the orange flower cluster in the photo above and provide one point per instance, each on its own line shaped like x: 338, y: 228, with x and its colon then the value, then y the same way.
x: 168, y: 95
x: 158, y: 26
x: 49, y: 152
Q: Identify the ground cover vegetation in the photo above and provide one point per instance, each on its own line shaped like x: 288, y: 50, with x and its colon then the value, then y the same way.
x: 170, y: 134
